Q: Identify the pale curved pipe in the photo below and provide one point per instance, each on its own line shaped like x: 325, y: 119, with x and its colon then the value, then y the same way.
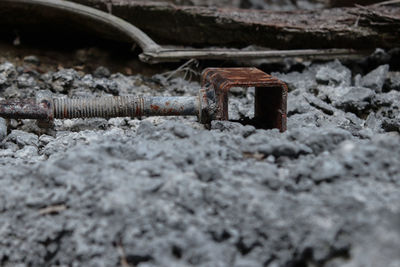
x: 132, y: 32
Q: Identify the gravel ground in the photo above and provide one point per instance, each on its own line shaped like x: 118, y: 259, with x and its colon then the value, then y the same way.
x: 168, y: 192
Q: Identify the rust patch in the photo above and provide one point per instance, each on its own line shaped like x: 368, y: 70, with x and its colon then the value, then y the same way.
x: 24, y: 109
x: 154, y: 107
x: 137, y: 111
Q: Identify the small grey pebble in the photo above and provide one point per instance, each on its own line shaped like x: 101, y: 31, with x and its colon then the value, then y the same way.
x: 376, y: 78
x: 101, y: 72
x: 32, y: 59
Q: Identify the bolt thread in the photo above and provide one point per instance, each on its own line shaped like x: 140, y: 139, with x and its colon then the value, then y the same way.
x: 100, y: 107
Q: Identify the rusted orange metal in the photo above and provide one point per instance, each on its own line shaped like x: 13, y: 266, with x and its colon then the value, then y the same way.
x: 270, y: 94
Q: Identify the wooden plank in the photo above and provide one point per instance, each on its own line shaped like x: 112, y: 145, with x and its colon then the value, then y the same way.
x: 357, y: 28
x: 351, y: 3
x: 330, y: 28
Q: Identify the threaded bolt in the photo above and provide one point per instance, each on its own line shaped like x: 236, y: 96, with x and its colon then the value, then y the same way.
x: 101, y: 107
x: 45, y: 107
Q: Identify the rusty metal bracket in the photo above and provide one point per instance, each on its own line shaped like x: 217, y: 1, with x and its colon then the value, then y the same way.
x: 210, y: 104
x: 270, y: 95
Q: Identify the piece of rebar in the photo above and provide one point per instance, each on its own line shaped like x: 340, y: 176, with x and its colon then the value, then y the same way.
x: 23, y: 109
x: 101, y: 107
x: 124, y: 106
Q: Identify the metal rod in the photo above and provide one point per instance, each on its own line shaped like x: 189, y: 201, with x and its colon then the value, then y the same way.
x: 100, y: 107
x: 23, y: 109
x: 167, y: 106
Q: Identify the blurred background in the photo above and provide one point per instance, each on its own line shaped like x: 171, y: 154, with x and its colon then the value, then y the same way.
x: 284, y: 5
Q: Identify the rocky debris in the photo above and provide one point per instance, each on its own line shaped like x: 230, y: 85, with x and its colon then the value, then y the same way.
x: 7, y: 72
x: 106, y: 85
x: 376, y: 78
x: 319, y: 141
x: 304, y: 81
x: 319, y: 104
x: 379, y: 57
x: 63, y: 80
x: 392, y: 81
x: 22, y: 138
x: 167, y: 191
x: 334, y: 74
x: 390, y: 125
x: 101, y: 72
x: 32, y: 59
x: 344, y: 164
x: 26, y: 81
x: 357, y: 100
x: 3, y: 129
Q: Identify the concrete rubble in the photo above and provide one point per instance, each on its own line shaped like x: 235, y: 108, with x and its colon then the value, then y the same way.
x: 168, y: 192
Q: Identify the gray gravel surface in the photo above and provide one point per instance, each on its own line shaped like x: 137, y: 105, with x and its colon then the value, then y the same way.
x: 168, y: 192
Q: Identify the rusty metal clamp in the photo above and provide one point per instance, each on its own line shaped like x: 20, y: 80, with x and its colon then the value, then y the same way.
x: 270, y: 95
x: 210, y: 104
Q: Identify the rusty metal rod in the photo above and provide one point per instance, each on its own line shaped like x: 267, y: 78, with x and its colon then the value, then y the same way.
x: 23, y: 109
x: 102, y: 107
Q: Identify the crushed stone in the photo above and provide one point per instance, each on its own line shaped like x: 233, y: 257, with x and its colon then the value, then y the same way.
x: 169, y: 192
